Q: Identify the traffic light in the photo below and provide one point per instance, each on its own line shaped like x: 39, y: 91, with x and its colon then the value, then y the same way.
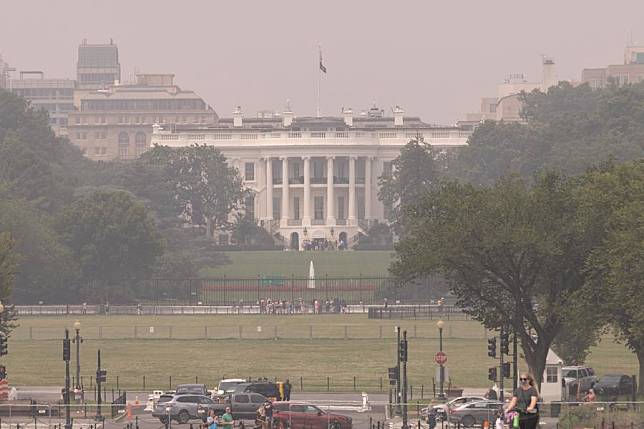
x: 393, y: 374
x: 101, y: 376
x: 505, y: 342
x: 491, y: 347
x: 402, y: 351
x: 506, y: 370
x: 3, y: 345
x: 491, y: 373
x: 67, y: 350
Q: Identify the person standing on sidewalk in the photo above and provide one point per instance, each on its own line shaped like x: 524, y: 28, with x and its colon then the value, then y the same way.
x: 287, y: 390
x: 227, y: 421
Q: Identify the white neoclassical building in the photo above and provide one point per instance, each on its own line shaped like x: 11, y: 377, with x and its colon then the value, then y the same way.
x: 313, y: 178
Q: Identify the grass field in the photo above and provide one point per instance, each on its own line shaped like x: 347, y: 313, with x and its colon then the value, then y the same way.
x: 287, y: 264
x: 187, y: 355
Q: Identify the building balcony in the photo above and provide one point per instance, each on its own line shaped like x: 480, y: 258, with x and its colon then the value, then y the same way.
x: 341, y: 180
x: 340, y: 221
x: 318, y: 222
x: 294, y: 222
x: 296, y: 180
x: 277, y: 180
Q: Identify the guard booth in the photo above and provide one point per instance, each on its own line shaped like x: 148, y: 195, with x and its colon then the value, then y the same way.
x: 551, y: 386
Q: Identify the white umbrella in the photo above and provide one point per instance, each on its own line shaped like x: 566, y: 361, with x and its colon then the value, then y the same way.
x: 311, y: 283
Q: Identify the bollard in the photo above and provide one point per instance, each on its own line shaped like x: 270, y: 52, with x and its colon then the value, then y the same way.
x: 354, y: 383
x: 422, y: 391
x: 144, y: 383
x: 328, y: 385
x: 301, y: 384
x: 170, y: 382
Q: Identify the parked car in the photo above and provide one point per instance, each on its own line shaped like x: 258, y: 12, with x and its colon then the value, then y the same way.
x: 273, y: 391
x: 581, y: 376
x: 296, y: 415
x: 441, y: 409
x: 194, y: 389
x: 243, y: 406
x: 614, y: 385
x: 181, y: 408
x: 473, y: 413
x: 228, y: 385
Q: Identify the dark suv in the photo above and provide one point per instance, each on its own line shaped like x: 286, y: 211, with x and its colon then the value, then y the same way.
x: 267, y: 388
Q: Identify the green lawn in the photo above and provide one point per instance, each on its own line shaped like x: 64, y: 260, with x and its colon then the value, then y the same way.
x: 187, y: 355
x: 287, y: 264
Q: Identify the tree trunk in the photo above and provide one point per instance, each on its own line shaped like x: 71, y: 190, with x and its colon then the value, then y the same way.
x: 640, y: 380
x: 537, y: 361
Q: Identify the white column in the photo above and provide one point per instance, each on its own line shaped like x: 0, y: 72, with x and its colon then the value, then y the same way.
x: 306, y: 217
x: 367, y: 188
x: 269, y: 188
x: 330, y: 192
x: 352, y: 191
x: 285, y: 197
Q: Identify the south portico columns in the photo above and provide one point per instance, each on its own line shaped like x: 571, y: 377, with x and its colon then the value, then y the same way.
x: 330, y: 192
x: 285, y: 196
x: 367, y: 188
x: 351, y: 220
x: 269, y: 188
x: 306, y: 217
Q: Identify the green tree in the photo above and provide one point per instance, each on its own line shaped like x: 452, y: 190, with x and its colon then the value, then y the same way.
x: 204, y: 188
x: 414, y: 172
x: 614, y: 197
x: 248, y: 235
x: 8, y: 262
x: 569, y: 129
x: 115, y: 241
x: 513, y: 255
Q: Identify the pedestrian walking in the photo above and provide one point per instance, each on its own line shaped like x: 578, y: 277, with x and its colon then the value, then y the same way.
x: 268, y: 412
x: 524, y: 402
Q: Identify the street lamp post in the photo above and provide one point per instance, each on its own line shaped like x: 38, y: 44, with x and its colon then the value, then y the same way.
x: 78, y: 340
x: 441, y: 393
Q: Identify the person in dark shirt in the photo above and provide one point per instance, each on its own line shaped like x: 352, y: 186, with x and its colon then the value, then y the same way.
x: 287, y: 390
x: 524, y: 401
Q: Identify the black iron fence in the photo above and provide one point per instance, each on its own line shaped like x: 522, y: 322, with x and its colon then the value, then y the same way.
x: 244, y: 291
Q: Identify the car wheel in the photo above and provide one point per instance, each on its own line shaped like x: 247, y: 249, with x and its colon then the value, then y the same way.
x: 183, y: 417
x: 468, y: 421
x: 335, y: 425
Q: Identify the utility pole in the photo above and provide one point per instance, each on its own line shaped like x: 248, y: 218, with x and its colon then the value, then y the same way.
x: 515, y: 363
x: 398, y: 366
x: 101, y: 377
x: 78, y: 340
x: 501, y: 372
x: 67, y: 357
x: 403, y: 358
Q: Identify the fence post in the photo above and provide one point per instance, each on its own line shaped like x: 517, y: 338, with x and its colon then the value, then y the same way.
x: 170, y: 382
x: 422, y: 391
x: 354, y: 383
x: 143, y: 383
x: 328, y: 384
x: 117, y: 383
x: 381, y: 384
x: 301, y: 384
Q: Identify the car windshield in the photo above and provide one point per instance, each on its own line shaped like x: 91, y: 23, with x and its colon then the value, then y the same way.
x: 570, y: 373
x: 165, y: 398
x: 227, y: 385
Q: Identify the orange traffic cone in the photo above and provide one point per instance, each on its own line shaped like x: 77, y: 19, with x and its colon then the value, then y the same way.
x: 128, y: 411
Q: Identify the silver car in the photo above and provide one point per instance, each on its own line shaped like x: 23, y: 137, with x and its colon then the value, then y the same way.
x: 442, y: 409
x: 473, y: 413
x: 181, y: 408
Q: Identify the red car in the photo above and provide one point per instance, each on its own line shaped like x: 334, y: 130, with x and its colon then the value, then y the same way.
x: 299, y: 415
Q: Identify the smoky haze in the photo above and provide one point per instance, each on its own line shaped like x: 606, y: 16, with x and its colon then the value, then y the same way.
x: 436, y: 59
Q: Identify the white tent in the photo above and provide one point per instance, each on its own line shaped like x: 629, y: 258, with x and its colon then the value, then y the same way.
x: 551, y: 389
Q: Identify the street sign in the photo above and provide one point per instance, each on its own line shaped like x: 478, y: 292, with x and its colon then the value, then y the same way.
x: 440, y: 358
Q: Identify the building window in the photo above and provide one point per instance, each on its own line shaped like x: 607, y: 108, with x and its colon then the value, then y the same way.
x: 341, y: 208
x: 318, y: 208
x: 318, y: 168
x: 551, y: 374
x: 386, y: 168
x: 249, y: 171
x: 124, y: 139
x: 277, y: 207
x: 249, y: 206
x: 77, y: 120
x: 296, y: 208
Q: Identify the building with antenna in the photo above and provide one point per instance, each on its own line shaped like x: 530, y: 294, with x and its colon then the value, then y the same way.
x: 313, y: 178
x: 632, y: 71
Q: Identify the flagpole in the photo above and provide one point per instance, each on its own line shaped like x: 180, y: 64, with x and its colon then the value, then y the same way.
x: 319, y: 81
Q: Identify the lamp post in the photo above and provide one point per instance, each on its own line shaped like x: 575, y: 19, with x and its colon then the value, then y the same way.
x: 78, y: 340
x: 441, y: 393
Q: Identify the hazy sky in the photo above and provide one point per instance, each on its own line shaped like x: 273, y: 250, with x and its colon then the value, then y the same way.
x: 434, y: 58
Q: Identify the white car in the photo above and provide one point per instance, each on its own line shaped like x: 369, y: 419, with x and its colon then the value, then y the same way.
x: 443, y: 409
x: 579, y: 378
x: 152, y: 399
x: 227, y: 385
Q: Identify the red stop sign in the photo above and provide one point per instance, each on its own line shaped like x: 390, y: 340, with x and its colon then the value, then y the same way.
x: 440, y: 358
